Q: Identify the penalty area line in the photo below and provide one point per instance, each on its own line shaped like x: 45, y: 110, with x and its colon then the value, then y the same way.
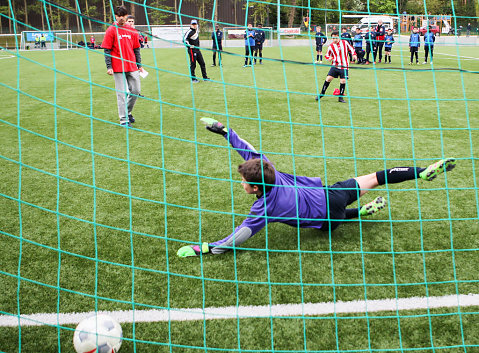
x: 260, y: 311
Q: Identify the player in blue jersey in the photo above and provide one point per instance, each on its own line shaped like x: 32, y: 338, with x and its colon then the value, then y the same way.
x: 370, y: 39
x: 300, y: 201
x: 320, y: 39
x: 429, y: 40
x: 388, y: 45
x: 414, y: 44
x: 249, y: 45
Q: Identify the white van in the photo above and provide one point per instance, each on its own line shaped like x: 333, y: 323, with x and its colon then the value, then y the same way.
x: 372, y: 21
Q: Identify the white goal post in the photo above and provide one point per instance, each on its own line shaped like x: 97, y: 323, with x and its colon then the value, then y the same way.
x: 234, y: 36
x: 55, y: 39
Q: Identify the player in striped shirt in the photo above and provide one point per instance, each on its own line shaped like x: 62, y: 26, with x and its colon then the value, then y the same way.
x: 338, y: 54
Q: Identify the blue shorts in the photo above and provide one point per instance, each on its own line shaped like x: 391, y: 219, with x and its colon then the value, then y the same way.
x: 339, y: 196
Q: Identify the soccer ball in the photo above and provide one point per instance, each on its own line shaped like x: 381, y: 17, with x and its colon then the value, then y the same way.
x: 97, y: 334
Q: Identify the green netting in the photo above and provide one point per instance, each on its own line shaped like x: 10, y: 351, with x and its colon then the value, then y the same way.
x: 92, y: 213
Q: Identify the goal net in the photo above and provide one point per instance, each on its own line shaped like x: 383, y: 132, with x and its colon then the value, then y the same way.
x: 54, y: 39
x: 359, y: 236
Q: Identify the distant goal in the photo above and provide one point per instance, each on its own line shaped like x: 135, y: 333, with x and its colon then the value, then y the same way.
x: 59, y: 39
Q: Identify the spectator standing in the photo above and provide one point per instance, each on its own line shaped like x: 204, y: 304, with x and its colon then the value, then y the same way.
x: 123, y: 62
x: 259, y: 38
x: 217, y: 38
x: 380, y: 35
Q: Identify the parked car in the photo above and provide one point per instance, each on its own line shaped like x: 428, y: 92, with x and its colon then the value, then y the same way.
x: 434, y: 29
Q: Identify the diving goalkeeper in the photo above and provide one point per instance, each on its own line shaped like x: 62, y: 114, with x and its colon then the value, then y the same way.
x: 299, y: 200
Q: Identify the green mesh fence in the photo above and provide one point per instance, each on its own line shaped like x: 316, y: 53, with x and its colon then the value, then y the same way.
x: 92, y: 214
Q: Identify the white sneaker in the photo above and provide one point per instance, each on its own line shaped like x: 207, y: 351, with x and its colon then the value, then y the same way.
x: 316, y: 62
x: 320, y: 62
x: 424, y: 63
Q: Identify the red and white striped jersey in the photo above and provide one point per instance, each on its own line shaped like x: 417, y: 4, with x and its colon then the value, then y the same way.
x: 338, y: 52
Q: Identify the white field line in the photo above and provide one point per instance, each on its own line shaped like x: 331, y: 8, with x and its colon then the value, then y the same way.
x: 6, y: 57
x: 264, y: 311
x: 455, y: 56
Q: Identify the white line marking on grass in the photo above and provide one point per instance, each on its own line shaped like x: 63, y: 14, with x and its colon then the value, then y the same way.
x: 263, y: 311
x: 460, y: 56
x: 6, y: 57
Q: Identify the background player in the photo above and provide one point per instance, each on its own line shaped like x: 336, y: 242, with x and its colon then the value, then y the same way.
x: 338, y: 54
x: 370, y: 39
x: 217, y: 38
x: 414, y: 44
x: 345, y: 35
x: 259, y: 37
x: 321, y: 39
x: 123, y: 61
x: 192, y: 42
x: 429, y: 40
x: 249, y: 45
x: 300, y: 201
x: 388, y: 45
x: 358, y: 46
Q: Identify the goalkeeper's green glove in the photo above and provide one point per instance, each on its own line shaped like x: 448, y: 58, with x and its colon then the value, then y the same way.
x: 193, y: 250
x: 214, y: 126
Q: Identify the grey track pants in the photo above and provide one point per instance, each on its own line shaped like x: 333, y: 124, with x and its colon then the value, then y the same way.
x: 127, y: 85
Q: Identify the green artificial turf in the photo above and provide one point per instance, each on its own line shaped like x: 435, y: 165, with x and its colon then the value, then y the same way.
x: 92, y: 214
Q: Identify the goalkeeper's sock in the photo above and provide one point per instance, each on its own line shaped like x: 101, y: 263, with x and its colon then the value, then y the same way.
x: 398, y: 175
x: 321, y: 58
x: 317, y: 57
x: 342, y: 87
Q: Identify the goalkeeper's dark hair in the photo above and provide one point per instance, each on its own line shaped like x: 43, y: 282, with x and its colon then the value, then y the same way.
x: 335, y: 33
x: 258, y: 172
x: 121, y: 11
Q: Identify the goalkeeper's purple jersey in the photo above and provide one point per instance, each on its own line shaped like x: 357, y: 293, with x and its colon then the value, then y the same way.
x: 294, y: 200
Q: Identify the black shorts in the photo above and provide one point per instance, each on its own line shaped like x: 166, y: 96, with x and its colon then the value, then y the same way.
x: 339, y: 196
x: 319, y: 47
x: 388, y: 49
x: 337, y: 72
x: 413, y: 49
x: 259, y: 46
x: 249, y: 49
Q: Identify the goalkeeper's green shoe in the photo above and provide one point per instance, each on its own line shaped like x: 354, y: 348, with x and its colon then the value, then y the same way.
x: 372, y: 207
x: 214, y: 126
x: 437, y: 168
x: 193, y: 250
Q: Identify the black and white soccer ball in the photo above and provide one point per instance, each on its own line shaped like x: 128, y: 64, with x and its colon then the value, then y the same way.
x: 98, y: 334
